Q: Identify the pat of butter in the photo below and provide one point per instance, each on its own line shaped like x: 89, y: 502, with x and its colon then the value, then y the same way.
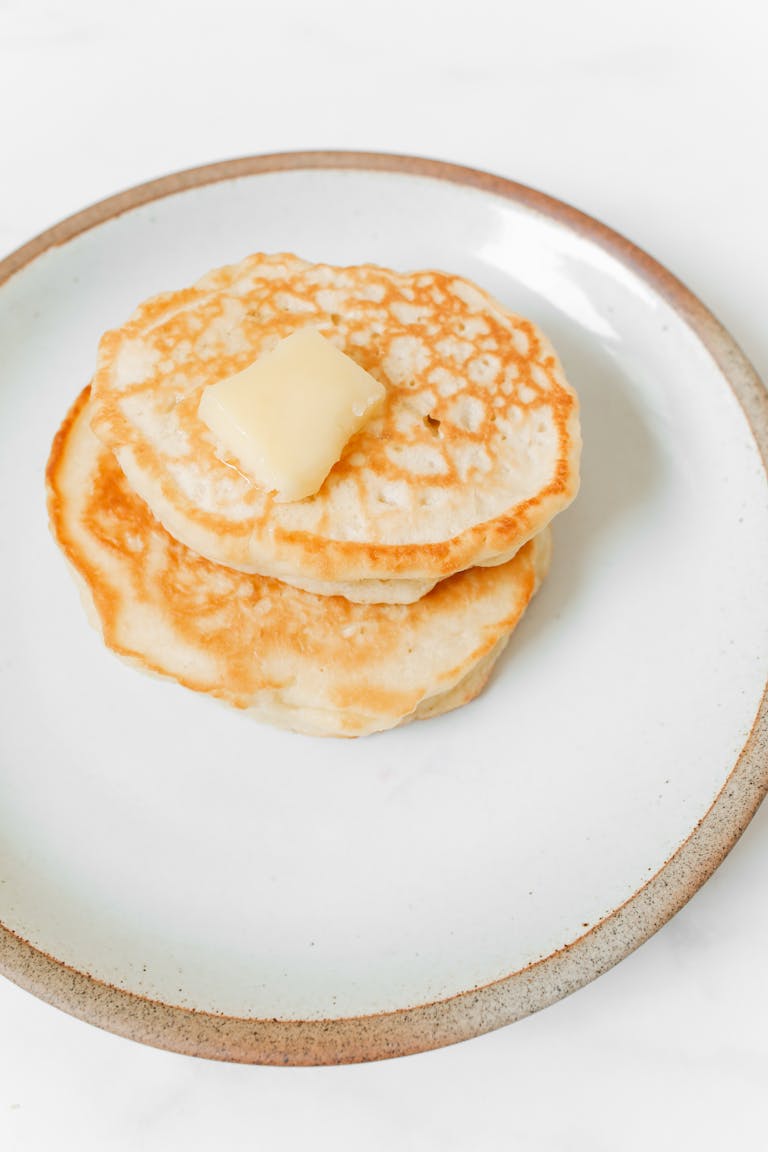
x: 287, y: 417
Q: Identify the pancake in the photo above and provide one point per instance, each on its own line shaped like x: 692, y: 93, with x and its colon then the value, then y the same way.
x: 315, y: 664
x: 475, y: 451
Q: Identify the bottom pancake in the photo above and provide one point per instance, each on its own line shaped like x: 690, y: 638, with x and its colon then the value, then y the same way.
x: 315, y: 664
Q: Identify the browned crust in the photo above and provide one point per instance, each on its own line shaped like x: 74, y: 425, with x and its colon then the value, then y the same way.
x: 52, y: 471
x: 476, y: 1010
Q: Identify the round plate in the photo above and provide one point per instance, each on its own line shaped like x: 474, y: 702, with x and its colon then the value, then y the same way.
x: 175, y: 872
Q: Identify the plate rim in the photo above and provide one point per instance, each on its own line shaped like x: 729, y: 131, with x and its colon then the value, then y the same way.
x: 481, y: 1009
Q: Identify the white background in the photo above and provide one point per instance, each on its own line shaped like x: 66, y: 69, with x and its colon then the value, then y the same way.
x: 650, y: 117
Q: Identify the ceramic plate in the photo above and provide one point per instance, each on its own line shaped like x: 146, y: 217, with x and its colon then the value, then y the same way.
x: 182, y: 875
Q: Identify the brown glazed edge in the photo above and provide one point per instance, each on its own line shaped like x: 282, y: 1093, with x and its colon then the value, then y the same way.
x: 470, y: 1013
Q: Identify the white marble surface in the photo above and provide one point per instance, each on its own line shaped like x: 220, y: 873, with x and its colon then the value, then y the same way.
x: 651, y: 121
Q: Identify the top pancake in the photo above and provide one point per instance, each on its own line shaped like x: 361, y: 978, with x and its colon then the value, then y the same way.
x: 475, y: 451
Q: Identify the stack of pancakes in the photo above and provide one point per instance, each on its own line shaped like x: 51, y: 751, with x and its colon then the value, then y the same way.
x: 389, y: 594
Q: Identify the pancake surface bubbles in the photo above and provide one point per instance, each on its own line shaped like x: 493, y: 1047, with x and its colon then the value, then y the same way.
x: 476, y: 449
x: 317, y: 664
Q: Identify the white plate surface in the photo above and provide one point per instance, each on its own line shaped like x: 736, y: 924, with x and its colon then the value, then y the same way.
x: 173, y: 848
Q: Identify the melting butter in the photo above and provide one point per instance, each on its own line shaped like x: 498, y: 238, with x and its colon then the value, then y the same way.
x: 287, y: 417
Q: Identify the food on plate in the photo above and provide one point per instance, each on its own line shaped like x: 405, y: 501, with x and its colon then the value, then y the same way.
x: 319, y: 494
x: 316, y: 664
x: 474, y: 450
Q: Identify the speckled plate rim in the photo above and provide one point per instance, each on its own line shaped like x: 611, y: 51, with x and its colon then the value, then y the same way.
x: 478, y: 1010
